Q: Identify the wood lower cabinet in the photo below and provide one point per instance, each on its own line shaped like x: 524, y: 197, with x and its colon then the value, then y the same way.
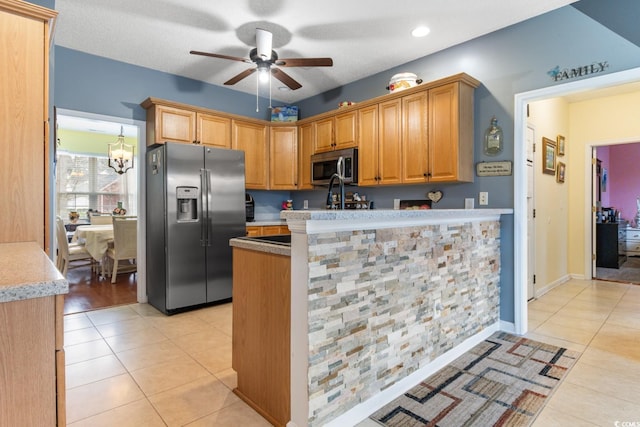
x: 261, y: 332
x: 24, y: 122
x: 267, y: 230
x: 283, y: 158
x: 252, y: 139
x: 32, y: 357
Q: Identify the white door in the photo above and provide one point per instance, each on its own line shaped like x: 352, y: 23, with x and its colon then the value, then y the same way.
x: 531, y: 229
x: 595, y: 182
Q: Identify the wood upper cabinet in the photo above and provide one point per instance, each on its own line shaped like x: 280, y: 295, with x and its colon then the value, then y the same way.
x: 336, y: 132
x: 379, y: 156
x: 390, y: 142
x: 415, y: 139
x: 451, y: 133
x: 170, y: 123
x: 324, y: 135
x: 368, y: 145
x: 422, y: 137
x: 252, y: 139
x: 306, y: 138
x: 24, y: 123
x: 283, y: 158
x: 213, y: 130
x: 165, y: 123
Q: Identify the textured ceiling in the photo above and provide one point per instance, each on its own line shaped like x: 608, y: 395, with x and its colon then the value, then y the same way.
x: 363, y: 37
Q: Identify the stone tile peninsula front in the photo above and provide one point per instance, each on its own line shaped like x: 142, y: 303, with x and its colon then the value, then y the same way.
x: 379, y: 297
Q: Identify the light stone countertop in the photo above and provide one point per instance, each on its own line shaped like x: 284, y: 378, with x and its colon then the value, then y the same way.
x: 261, y: 246
x: 266, y: 222
x: 27, y: 272
x: 316, y: 221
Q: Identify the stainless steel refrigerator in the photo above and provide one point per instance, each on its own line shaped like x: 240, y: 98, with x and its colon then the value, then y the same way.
x: 194, y: 205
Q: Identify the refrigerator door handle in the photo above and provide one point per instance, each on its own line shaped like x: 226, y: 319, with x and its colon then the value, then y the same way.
x: 204, y: 210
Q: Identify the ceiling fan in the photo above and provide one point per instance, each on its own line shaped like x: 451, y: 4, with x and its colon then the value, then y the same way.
x: 265, y: 57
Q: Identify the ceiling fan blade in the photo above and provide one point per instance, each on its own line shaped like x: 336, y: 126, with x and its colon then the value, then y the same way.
x: 217, y: 55
x: 263, y: 43
x: 240, y: 76
x: 305, y: 62
x: 285, y: 78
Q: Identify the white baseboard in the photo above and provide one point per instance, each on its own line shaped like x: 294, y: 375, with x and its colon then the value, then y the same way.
x: 509, y: 327
x: 554, y: 284
x: 360, y: 412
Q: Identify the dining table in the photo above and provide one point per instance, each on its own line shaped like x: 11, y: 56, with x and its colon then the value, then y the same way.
x: 96, y: 239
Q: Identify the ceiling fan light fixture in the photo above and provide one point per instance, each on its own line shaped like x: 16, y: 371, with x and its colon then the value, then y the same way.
x: 263, y: 74
x: 420, y: 31
x: 263, y: 43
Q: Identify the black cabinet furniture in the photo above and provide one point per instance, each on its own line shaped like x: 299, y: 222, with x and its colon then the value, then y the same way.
x: 609, y: 245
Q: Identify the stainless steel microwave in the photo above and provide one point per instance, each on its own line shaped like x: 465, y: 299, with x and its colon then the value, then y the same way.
x: 324, y: 165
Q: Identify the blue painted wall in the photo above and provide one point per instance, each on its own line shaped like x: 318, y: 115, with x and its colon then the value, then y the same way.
x: 93, y: 84
x: 509, y: 61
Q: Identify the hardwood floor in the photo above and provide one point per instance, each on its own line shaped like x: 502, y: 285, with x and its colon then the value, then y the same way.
x: 88, y: 291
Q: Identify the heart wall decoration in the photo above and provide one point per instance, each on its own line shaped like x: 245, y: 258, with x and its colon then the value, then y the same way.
x: 434, y: 196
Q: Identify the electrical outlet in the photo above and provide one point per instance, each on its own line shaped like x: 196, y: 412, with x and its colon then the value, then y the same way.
x: 483, y: 198
x: 305, y: 204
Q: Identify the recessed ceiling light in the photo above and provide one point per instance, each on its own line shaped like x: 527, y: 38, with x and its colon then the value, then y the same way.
x: 420, y: 31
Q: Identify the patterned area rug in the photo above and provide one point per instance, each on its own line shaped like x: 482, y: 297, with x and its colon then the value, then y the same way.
x: 503, y: 381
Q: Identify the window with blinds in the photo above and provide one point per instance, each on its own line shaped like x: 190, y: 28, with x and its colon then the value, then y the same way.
x: 86, y: 182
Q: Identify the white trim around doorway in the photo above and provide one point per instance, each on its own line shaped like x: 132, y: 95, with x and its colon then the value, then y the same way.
x: 141, y: 284
x: 520, y: 178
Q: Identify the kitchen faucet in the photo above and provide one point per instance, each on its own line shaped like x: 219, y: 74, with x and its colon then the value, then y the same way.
x: 339, y: 175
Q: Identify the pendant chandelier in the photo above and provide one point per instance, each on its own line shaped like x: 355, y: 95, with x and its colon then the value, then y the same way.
x: 120, y: 154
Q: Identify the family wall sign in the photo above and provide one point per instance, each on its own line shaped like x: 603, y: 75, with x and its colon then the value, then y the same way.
x: 558, y: 74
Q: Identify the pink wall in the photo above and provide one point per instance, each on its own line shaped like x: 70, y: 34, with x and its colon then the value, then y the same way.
x: 624, y: 178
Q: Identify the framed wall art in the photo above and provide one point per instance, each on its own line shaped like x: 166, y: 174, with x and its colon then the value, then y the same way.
x: 561, y: 142
x: 548, y: 156
x: 562, y: 169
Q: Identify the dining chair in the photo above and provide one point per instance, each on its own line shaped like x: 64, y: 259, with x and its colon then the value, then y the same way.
x: 124, y: 248
x: 99, y: 219
x: 69, y: 253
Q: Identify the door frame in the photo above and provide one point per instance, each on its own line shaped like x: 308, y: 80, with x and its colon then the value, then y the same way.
x: 140, y: 150
x: 520, y: 180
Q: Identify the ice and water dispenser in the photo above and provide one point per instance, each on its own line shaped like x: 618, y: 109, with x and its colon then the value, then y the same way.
x: 187, y: 199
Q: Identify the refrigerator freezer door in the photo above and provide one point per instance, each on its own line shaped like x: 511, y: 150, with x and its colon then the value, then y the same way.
x: 226, y: 217
x: 185, y: 258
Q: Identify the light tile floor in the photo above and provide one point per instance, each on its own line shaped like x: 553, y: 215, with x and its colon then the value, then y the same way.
x: 133, y: 366
x: 602, y: 320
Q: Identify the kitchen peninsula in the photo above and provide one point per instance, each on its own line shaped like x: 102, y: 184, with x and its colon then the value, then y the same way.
x: 375, y: 296
x: 32, y: 354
